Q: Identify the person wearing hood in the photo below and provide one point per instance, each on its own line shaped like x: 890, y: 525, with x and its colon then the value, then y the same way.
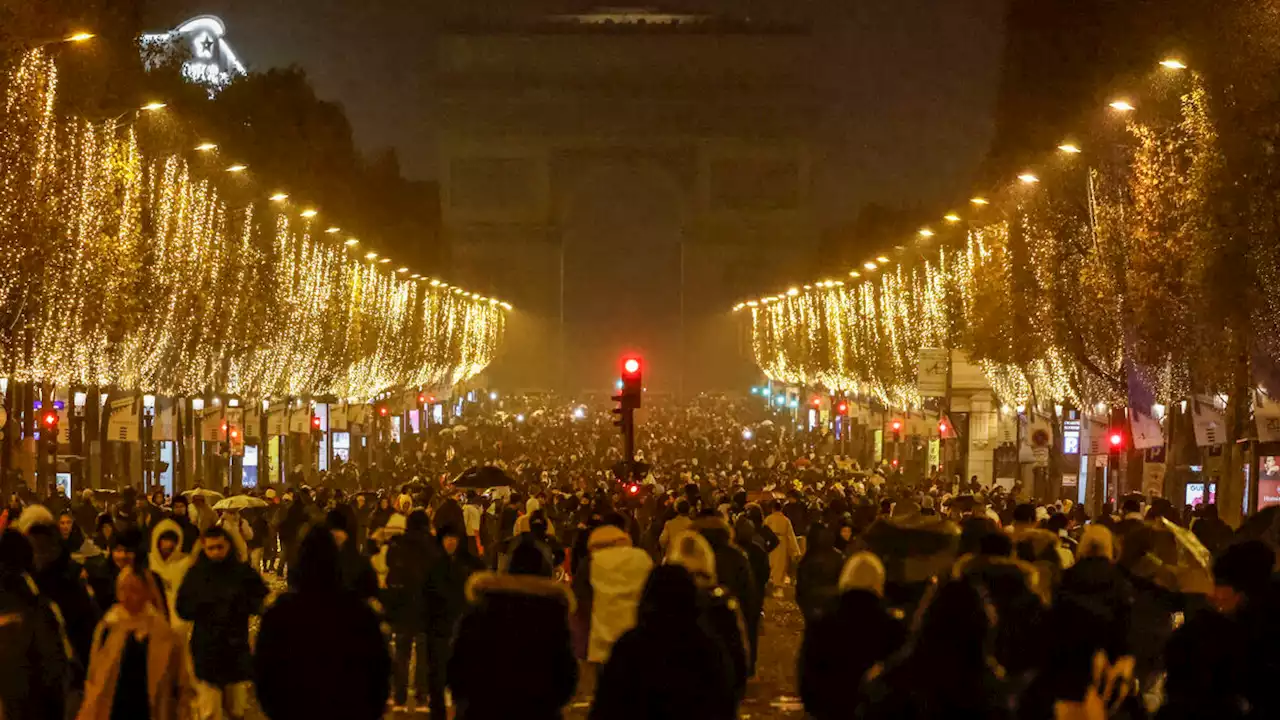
x: 853, y: 634
x: 57, y: 577
x: 218, y: 594
x: 33, y: 685
x: 818, y: 574
x: 78, y: 547
x: 539, y: 672
x: 721, y: 610
x: 744, y: 535
x: 105, y: 529
x: 139, y: 666
x: 121, y: 555
x: 733, y: 569
x: 946, y: 670
x: 168, y: 561
x: 618, y: 571
x: 670, y: 666
x: 358, y: 575
x: 345, y: 676
x: 446, y: 601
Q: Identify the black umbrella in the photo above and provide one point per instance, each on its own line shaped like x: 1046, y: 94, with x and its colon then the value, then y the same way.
x: 482, y: 478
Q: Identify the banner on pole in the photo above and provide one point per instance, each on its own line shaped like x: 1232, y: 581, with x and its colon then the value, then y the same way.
x: 125, y: 416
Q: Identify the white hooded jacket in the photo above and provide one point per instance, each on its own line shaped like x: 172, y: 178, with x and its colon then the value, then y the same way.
x: 618, y: 575
x: 173, y: 569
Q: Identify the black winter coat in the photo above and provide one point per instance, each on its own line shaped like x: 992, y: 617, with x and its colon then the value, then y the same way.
x: 817, y: 578
x: 218, y: 599
x: 321, y: 654
x: 516, y: 629
x: 733, y: 570
x: 446, y: 590
x: 410, y: 558
x: 722, y: 615
x: 667, y: 669
x: 59, y: 582
x: 841, y: 643
x: 31, y: 653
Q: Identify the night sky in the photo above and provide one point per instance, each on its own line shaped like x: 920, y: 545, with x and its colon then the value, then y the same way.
x: 913, y: 83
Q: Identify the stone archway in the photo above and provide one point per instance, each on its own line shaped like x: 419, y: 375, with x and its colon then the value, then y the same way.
x: 622, y: 228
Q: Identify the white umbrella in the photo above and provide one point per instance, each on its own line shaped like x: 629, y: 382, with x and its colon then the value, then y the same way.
x: 766, y: 423
x: 460, y: 428
x: 206, y: 494
x: 240, y: 502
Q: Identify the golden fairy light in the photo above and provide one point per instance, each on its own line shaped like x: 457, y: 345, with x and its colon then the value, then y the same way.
x: 204, y: 296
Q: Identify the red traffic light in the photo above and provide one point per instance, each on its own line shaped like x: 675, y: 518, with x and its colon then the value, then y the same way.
x: 631, y: 365
x: 817, y: 402
x: 49, y: 419
x: 633, y: 489
x: 315, y: 422
x: 896, y: 425
x: 234, y: 433
x: 422, y: 398
x: 942, y: 427
x: 843, y: 408
x: 1116, y: 439
x: 224, y: 426
x: 382, y: 410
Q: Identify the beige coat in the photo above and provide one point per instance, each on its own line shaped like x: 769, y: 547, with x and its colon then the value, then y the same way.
x: 787, y: 552
x: 169, y: 682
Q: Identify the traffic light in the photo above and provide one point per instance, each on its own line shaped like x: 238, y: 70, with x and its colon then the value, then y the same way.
x: 628, y: 399
x: 1115, y: 440
x: 235, y: 441
x: 383, y: 411
x: 896, y: 426
x: 817, y: 402
x: 422, y: 398
x: 49, y: 430
x: 315, y: 423
x: 843, y: 408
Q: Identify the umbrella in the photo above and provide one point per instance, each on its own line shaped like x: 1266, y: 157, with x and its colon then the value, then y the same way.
x: 206, y: 494
x: 481, y: 478
x: 766, y: 423
x: 240, y: 502
x: 914, y: 548
x: 460, y: 428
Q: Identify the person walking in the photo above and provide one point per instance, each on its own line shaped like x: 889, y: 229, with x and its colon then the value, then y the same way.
x: 669, y: 666
x: 721, y: 610
x: 347, y: 676
x: 409, y: 559
x: 618, y: 571
x: 169, y: 562
x: 446, y: 601
x: 818, y: 573
x: 787, y: 550
x: 138, y: 667
x: 539, y: 673
x: 33, y: 685
x: 841, y: 644
x: 217, y: 596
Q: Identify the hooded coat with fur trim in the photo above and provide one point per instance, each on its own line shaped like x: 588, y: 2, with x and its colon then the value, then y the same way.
x: 526, y: 618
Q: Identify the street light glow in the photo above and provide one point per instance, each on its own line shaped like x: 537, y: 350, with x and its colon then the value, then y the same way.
x: 384, y: 261
x: 1069, y: 149
x: 309, y: 213
x: 882, y: 260
x: 279, y: 197
x: 951, y: 218
x: 371, y: 256
x: 1028, y: 179
x: 792, y: 292
x: 855, y: 274
x: 80, y: 37
x: 1122, y: 106
x: 1173, y: 64
x: 236, y: 168
x: 153, y: 106
x: 402, y: 269
x: 869, y: 265
x: 926, y: 233
x: 206, y: 147
x: 333, y: 230
x: 979, y: 201
x: 351, y: 242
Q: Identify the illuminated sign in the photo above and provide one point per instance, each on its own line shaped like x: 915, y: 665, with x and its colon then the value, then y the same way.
x: 207, y: 59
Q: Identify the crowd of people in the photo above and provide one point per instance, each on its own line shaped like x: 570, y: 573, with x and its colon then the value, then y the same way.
x: 641, y: 587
